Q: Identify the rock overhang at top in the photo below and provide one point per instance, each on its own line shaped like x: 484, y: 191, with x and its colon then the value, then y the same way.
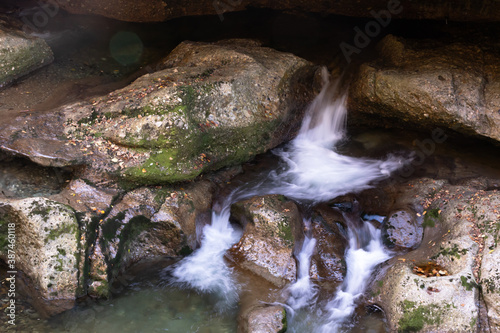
x: 162, y: 10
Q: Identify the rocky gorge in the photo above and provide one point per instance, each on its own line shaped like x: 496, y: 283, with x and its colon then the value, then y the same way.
x: 120, y: 185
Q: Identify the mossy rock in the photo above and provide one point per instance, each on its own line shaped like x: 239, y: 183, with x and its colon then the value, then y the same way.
x: 48, y: 249
x: 216, y: 105
x: 21, y: 54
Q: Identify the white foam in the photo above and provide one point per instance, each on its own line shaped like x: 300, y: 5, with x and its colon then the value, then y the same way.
x: 313, y: 171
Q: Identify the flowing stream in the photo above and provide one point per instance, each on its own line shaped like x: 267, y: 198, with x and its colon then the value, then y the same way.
x: 312, y: 171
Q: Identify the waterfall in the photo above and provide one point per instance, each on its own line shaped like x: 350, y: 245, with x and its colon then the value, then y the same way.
x: 360, y: 262
x: 205, y: 270
x: 303, y: 292
x: 312, y: 171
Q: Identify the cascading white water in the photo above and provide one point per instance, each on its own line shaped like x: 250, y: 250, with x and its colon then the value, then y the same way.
x: 303, y: 292
x: 206, y: 270
x: 313, y: 172
x: 360, y: 262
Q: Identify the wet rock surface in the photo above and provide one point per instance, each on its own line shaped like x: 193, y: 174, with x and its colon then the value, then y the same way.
x: 20, y: 178
x: 431, y: 85
x: 202, y: 113
x: 47, y: 249
x: 21, y: 54
x: 402, y: 231
x: 271, y: 225
x: 459, y: 237
x: 145, y: 224
x: 265, y: 319
x: 327, y: 261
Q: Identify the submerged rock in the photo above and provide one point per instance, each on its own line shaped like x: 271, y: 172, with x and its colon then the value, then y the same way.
x: 21, y: 54
x: 215, y: 105
x: 265, y: 319
x: 430, y: 85
x: 327, y: 261
x: 272, y: 224
x: 47, y: 250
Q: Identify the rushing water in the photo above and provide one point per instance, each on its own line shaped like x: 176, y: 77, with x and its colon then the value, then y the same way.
x: 360, y: 261
x: 312, y: 171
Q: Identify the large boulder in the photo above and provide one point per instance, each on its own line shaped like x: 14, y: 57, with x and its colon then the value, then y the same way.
x: 157, y: 10
x: 147, y: 224
x: 430, y: 85
x: 272, y: 224
x: 437, y: 286
x: 44, y: 238
x: 215, y: 105
x: 21, y: 54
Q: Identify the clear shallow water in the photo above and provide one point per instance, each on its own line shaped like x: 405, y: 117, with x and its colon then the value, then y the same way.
x: 149, y: 309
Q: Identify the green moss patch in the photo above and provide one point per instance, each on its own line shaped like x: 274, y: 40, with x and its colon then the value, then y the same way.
x: 468, y: 283
x: 415, y: 318
x: 283, y: 322
x: 61, y: 230
x: 285, y: 231
x: 4, y: 241
x: 453, y: 252
x: 431, y: 217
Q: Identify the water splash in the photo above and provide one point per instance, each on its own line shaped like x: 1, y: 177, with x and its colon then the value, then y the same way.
x: 205, y: 270
x: 360, y: 263
x: 313, y: 171
x: 303, y: 292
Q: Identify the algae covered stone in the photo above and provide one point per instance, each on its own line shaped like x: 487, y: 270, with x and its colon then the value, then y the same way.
x: 21, y: 54
x: 217, y: 105
x: 47, y: 250
x: 213, y: 105
x: 272, y: 224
